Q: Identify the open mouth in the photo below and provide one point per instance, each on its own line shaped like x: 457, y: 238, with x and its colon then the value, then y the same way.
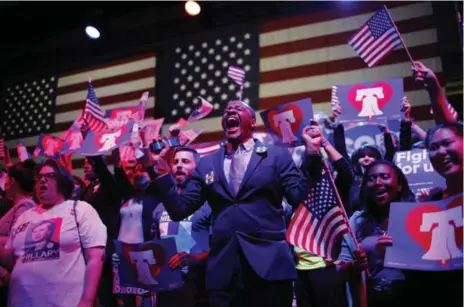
x: 179, y: 174
x: 381, y: 193
x: 42, y: 189
x: 232, y: 123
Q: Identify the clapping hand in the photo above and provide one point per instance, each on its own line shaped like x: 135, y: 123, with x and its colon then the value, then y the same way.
x: 312, y: 137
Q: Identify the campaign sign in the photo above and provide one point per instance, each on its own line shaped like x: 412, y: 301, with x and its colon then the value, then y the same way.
x: 286, y: 122
x: 139, y: 268
x: 368, y: 134
x: 371, y: 100
x: 72, y: 139
x: 107, y: 141
x: 426, y: 236
x: 49, y: 146
x: 420, y: 173
x: 119, y: 117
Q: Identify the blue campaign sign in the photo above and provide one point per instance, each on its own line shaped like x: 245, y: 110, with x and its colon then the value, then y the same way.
x: 72, y: 139
x: 420, y: 173
x: 371, y: 100
x: 50, y: 146
x: 104, y: 142
x: 426, y: 236
x: 286, y: 122
x: 142, y: 268
x: 369, y: 134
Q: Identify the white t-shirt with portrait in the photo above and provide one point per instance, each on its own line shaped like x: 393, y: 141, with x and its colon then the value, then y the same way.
x: 50, y: 267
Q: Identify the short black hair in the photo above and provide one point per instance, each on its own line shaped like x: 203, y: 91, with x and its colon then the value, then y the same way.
x: 23, y: 173
x: 364, y: 150
x: 187, y: 148
x: 247, y: 107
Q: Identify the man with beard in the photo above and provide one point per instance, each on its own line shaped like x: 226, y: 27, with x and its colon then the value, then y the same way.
x: 250, y: 262
x: 101, y: 192
x: 192, y: 238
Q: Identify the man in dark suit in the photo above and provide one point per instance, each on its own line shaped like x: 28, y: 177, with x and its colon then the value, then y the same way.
x: 250, y: 263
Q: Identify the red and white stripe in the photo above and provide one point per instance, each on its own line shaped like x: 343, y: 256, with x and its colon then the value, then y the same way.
x: 188, y: 136
x: 372, y: 50
x: 237, y: 74
x: 117, y: 84
x: 319, y: 237
x: 94, y: 117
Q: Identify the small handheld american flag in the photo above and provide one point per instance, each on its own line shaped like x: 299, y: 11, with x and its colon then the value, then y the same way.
x: 204, y: 110
x: 320, y: 222
x: 93, y: 114
x: 377, y: 38
x: 237, y: 74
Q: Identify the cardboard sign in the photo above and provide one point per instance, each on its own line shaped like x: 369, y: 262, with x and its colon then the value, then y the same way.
x: 377, y: 100
x: 420, y: 173
x: 426, y: 236
x: 140, y: 268
x: 49, y: 146
x: 286, y: 122
x: 104, y: 142
x: 369, y: 134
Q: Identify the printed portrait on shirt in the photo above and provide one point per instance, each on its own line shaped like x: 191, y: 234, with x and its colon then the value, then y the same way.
x: 42, y: 241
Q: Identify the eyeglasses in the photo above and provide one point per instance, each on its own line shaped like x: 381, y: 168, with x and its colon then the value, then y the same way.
x: 47, y: 176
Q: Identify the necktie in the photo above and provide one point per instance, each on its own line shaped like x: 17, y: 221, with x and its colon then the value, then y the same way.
x: 237, y: 170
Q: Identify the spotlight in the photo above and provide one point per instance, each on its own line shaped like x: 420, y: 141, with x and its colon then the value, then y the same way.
x: 192, y: 7
x: 92, y: 32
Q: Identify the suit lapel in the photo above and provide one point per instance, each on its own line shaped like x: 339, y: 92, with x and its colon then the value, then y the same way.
x: 219, y: 166
x: 256, y: 158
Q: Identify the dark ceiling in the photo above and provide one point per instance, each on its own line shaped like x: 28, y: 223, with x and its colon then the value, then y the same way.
x: 47, y: 37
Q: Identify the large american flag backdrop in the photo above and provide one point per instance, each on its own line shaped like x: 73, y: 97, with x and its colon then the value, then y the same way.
x: 297, y: 57
x: 118, y: 83
x: 305, y: 55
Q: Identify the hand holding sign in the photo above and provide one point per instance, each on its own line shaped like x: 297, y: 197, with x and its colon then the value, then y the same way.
x: 181, y: 260
x: 382, y: 243
x: 312, y: 137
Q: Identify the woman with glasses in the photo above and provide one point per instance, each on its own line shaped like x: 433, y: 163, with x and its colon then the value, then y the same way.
x: 56, y: 249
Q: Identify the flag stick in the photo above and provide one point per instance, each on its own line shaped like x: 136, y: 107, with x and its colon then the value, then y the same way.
x: 340, y: 203
x: 339, y: 200
x: 399, y: 34
x: 241, y: 93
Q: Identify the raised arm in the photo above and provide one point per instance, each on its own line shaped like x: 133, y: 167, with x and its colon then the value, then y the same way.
x: 122, y: 183
x: 179, y: 206
x: 441, y: 113
x: 106, y: 179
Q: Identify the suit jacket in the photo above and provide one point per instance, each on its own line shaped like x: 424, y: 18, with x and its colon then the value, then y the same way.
x: 251, y: 222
